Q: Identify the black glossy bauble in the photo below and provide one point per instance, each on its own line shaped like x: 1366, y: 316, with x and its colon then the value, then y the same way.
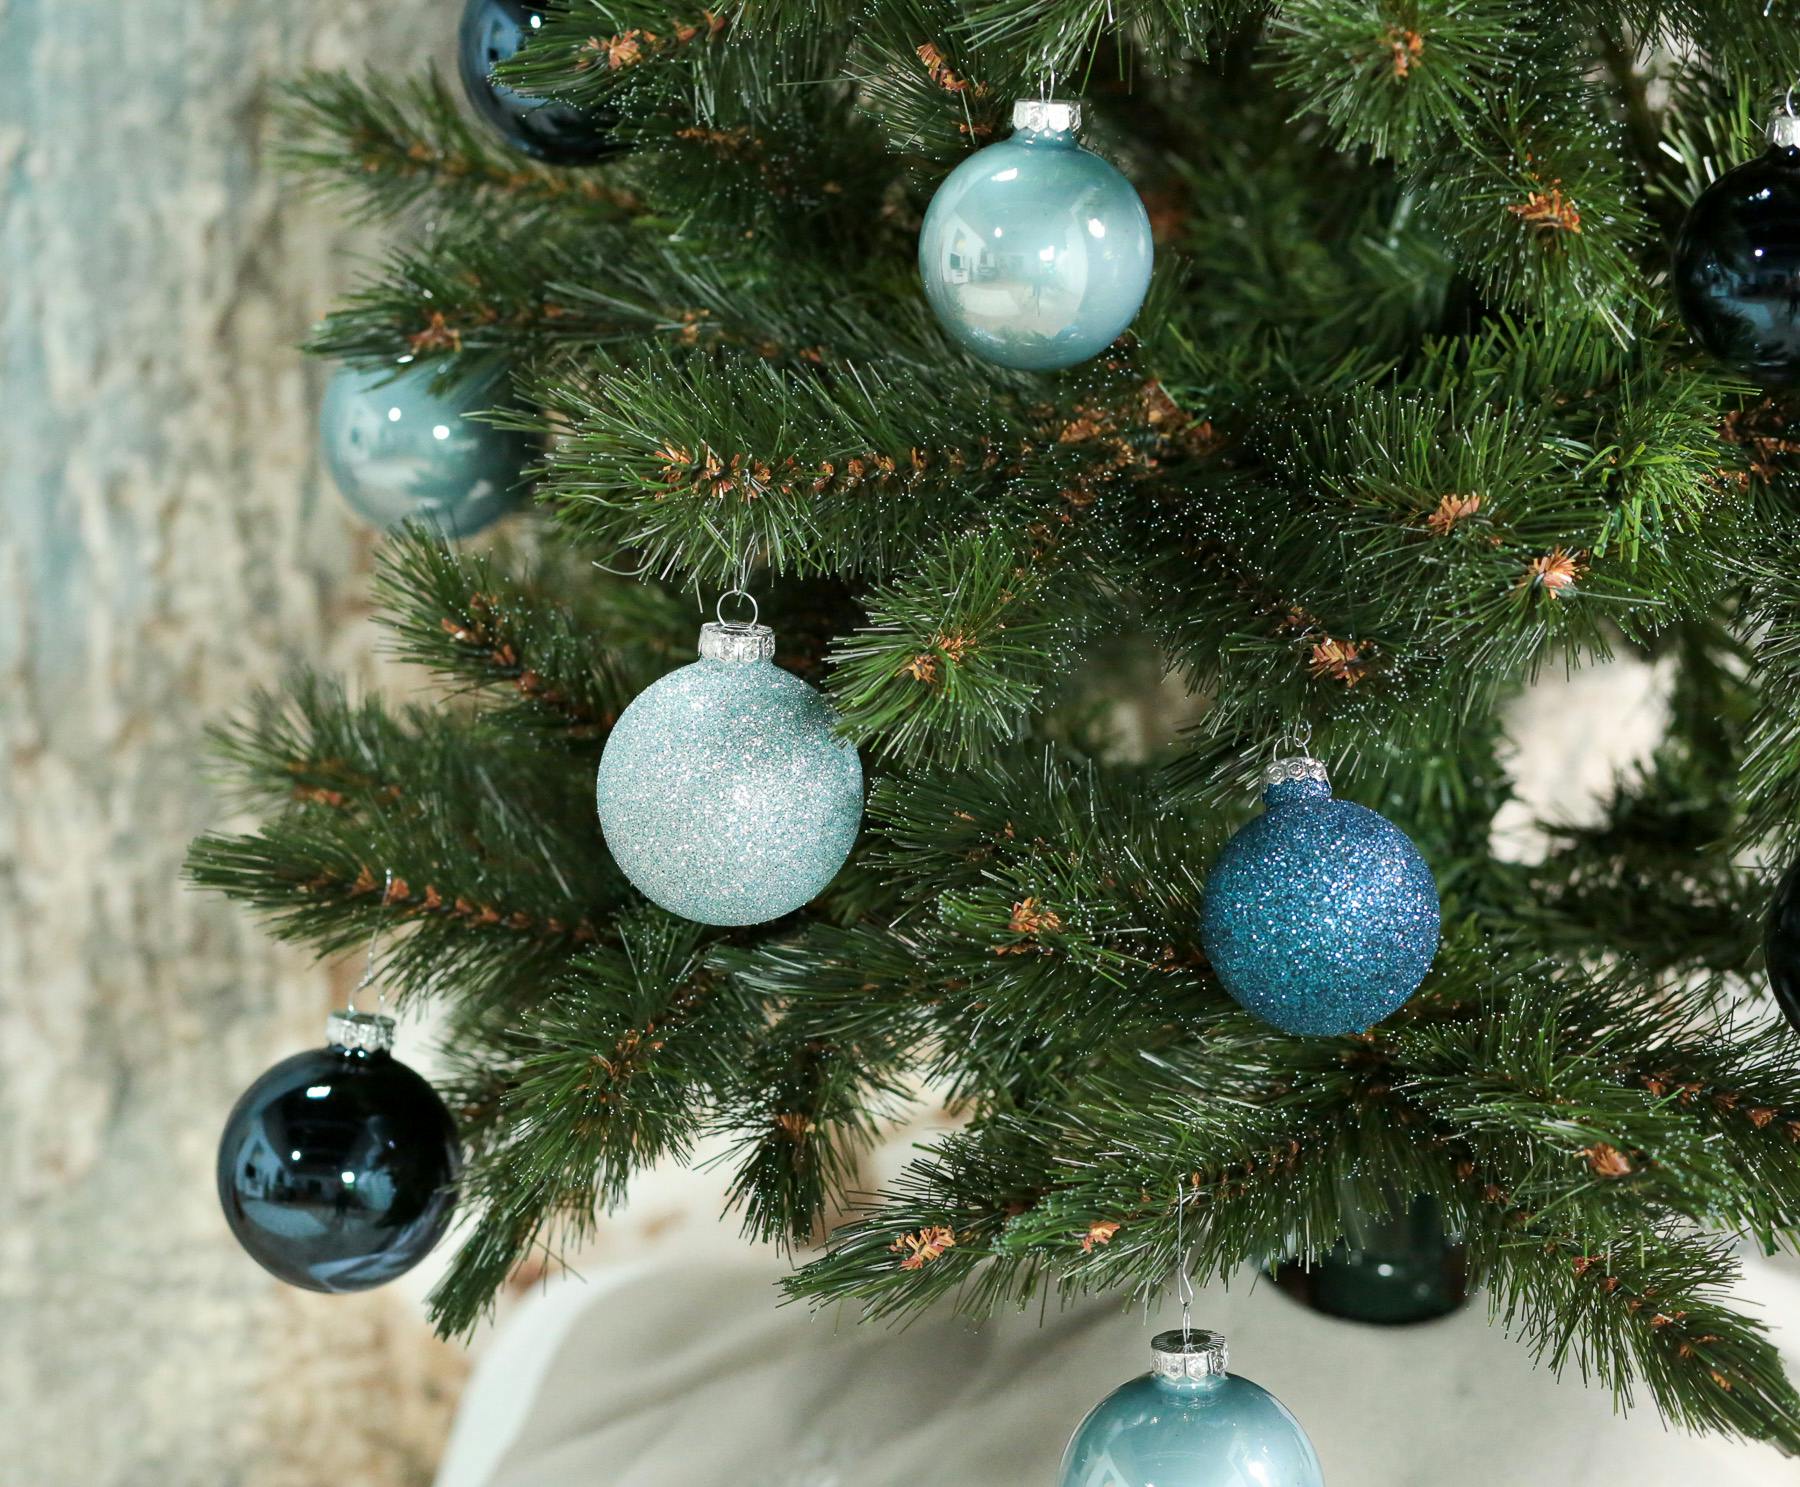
x: 336, y: 1169
x: 1737, y: 267
x: 1783, y: 945
x: 492, y: 31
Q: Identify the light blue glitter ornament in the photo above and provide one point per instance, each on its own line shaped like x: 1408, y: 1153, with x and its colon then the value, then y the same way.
x: 1189, y: 1423
x: 1035, y: 252
x: 399, y: 450
x: 723, y: 793
x: 1320, y: 917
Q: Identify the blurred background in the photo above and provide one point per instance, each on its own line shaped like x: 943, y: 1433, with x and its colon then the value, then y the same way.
x: 168, y: 542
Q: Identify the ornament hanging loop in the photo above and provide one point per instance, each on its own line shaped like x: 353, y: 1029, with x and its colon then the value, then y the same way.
x: 737, y: 640
x: 1293, y: 741
x: 748, y: 598
x: 368, y: 970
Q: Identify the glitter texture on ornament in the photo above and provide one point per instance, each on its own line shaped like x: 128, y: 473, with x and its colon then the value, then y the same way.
x: 723, y: 792
x: 1320, y: 916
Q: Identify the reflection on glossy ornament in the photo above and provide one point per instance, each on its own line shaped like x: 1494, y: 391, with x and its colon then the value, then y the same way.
x: 336, y: 1167
x: 1035, y: 252
x: 1783, y: 946
x: 1737, y: 262
x: 1320, y: 916
x: 401, y: 450
x: 1189, y: 1423
x: 492, y: 32
x: 723, y: 793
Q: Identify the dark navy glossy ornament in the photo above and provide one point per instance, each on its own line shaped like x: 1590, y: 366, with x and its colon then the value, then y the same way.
x: 1189, y: 1423
x: 1320, y: 915
x: 405, y: 448
x: 1390, y: 1270
x: 1036, y: 253
x: 1737, y: 262
x: 1783, y: 946
x: 492, y: 32
x: 337, y: 1167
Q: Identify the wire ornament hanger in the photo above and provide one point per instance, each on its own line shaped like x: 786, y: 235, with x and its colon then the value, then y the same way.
x: 383, y: 916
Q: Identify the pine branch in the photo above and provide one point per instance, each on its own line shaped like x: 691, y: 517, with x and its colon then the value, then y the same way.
x: 394, y: 146
x: 954, y: 656
x: 606, y: 1076
x: 492, y: 922
x: 456, y: 614
x: 1397, y: 78
x: 1532, y: 1113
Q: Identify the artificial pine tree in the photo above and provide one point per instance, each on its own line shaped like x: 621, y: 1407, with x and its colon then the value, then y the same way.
x: 1406, y: 417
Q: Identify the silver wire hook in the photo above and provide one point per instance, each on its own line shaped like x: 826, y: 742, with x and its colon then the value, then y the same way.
x: 745, y: 594
x: 1788, y: 102
x: 1184, y: 1285
x: 368, y: 971
x: 1298, y: 736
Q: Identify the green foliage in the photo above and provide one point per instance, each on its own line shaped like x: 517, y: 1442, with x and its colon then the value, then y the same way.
x: 1405, y: 422
x: 393, y: 145
x: 1399, y: 76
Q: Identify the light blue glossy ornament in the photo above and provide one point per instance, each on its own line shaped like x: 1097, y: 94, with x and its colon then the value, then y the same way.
x: 1189, y: 1423
x: 399, y: 450
x: 1035, y: 252
x: 723, y: 792
x: 1320, y: 917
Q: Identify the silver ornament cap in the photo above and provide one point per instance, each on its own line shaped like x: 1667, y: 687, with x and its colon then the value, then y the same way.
x: 1784, y: 129
x: 360, y: 1032
x: 728, y: 642
x: 1046, y: 116
x: 1303, y: 767
x: 1187, y: 1354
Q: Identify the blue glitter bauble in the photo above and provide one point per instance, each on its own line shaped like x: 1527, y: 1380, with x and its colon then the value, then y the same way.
x: 1035, y: 252
x: 723, y: 792
x: 1321, y: 917
x: 1190, y: 1424
x: 400, y: 449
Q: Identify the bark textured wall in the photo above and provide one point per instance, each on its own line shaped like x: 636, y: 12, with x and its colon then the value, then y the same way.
x: 167, y: 542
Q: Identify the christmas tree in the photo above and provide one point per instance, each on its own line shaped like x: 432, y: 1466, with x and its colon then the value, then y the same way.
x: 1407, y: 415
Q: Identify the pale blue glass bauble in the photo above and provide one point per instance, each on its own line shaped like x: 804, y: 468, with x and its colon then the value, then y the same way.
x: 400, y: 451
x: 1188, y: 1423
x: 723, y: 792
x: 1035, y: 252
x: 1320, y: 917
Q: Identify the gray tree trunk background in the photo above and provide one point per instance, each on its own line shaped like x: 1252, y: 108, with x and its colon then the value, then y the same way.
x: 168, y: 543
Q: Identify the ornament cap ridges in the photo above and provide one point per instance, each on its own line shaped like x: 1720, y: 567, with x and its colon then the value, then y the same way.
x: 1298, y: 767
x: 723, y: 641
x: 1182, y: 1354
x: 1046, y: 115
x: 1784, y: 130
x: 360, y: 1032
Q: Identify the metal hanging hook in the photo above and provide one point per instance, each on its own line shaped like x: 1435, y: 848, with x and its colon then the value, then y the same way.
x: 1296, y: 736
x: 368, y: 970
x: 1184, y: 1285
